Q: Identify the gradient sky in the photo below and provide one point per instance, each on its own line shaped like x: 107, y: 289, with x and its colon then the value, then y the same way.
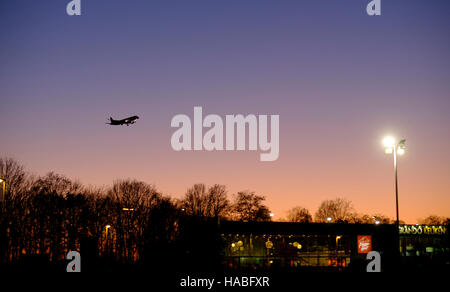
x: 339, y: 79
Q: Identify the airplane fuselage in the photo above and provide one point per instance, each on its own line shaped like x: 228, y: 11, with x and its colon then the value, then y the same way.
x: 127, y: 121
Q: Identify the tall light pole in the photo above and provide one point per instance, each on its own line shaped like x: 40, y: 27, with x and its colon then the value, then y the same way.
x: 107, y: 238
x: 3, y: 182
x: 106, y: 231
x: 394, y: 148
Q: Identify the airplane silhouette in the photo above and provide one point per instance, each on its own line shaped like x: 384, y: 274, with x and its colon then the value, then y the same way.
x: 127, y: 121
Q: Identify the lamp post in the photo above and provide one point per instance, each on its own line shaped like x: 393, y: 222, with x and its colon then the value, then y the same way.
x: 107, y: 238
x: 3, y: 182
x: 394, y: 148
x: 391, y: 147
x: 107, y: 228
x: 337, y: 241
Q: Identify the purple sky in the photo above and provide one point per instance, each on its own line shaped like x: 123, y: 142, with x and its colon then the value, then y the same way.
x: 339, y: 79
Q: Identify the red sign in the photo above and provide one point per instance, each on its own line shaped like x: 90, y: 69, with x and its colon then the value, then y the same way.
x: 364, y: 243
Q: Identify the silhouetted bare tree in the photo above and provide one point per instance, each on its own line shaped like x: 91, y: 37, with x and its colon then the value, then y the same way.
x: 299, y: 214
x: 56, y: 183
x: 218, y: 203
x: 434, y: 220
x: 201, y: 203
x: 247, y: 206
x: 370, y: 219
x: 12, y: 211
x: 339, y: 210
x: 131, y: 201
x: 194, y: 202
x: 15, y: 176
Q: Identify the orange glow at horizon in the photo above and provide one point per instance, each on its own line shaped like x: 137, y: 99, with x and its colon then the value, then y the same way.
x: 360, y: 172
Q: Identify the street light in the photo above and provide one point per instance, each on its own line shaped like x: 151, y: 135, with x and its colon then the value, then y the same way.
x: 3, y: 181
x: 107, y: 227
x: 329, y: 219
x: 107, y: 238
x: 391, y: 147
x: 376, y: 221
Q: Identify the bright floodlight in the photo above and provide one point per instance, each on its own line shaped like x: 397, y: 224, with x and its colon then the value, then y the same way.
x: 328, y: 219
x: 1, y: 180
x: 271, y: 215
x: 401, y: 151
x: 389, y: 142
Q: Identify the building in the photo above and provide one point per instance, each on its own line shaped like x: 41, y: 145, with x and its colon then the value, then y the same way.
x: 331, y: 247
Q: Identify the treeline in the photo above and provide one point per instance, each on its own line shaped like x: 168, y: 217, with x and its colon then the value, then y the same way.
x: 51, y: 215
x: 341, y: 210
x: 131, y: 221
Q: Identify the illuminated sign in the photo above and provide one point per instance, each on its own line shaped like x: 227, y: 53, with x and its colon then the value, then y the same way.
x: 364, y: 243
x: 422, y: 229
